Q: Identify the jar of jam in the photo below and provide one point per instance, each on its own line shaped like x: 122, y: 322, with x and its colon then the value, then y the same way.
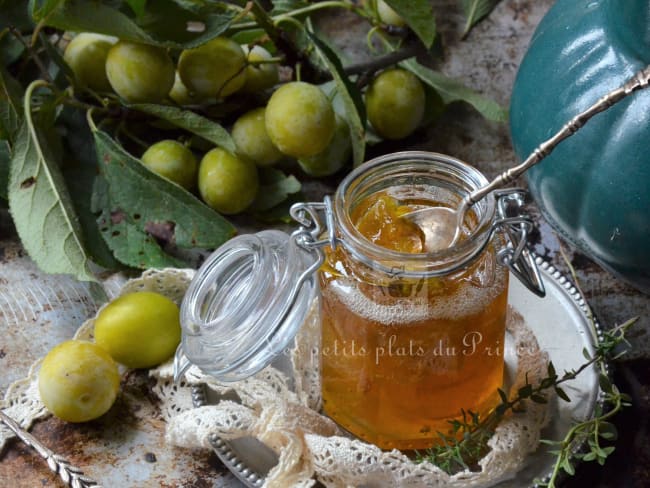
x: 409, y: 339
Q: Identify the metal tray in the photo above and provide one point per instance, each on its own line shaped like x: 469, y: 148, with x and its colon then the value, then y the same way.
x: 563, y: 328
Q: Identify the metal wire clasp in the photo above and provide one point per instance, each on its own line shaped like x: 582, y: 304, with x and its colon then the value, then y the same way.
x: 308, y: 236
x: 516, y: 227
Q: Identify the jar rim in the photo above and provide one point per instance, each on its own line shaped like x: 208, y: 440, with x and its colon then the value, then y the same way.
x: 428, y: 263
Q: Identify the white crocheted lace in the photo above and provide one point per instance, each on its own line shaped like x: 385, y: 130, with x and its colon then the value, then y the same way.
x: 281, y: 410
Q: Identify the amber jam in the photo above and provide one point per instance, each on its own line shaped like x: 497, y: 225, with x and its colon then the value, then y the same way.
x: 403, y: 352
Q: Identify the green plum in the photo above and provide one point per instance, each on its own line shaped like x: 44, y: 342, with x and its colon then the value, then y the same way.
x: 388, y: 16
x: 227, y: 183
x: 78, y: 381
x: 252, y: 140
x: 299, y: 119
x: 259, y: 77
x: 395, y: 102
x: 86, y: 55
x: 214, y: 69
x: 140, y: 73
x: 172, y: 160
x: 335, y: 155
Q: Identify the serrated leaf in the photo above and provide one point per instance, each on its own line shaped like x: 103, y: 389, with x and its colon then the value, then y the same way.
x: 11, y: 94
x: 5, y: 157
x: 355, y: 111
x: 418, y: 14
x: 452, y: 90
x: 192, y: 122
x: 138, y: 206
x: 475, y: 11
x: 154, y: 27
x: 41, y: 206
x: 275, y: 188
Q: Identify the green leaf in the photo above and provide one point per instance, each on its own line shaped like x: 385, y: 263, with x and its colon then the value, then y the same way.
x: 11, y: 94
x: 355, y: 111
x: 280, y: 213
x: 275, y: 187
x: 562, y: 394
x: 154, y: 26
x: 550, y: 370
x: 418, y: 14
x: 41, y: 206
x: 11, y: 49
x: 130, y: 244
x: 192, y: 122
x: 138, y: 207
x: 605, y: 383
x: 475, y: 10
x: 5, y: 157
x: 525, y: 391
x: 590, y: 456
x: 137, y: 6
x: 567, y: 466
x: 80, y: 172
x: 502, y: 394
x: 15, y: 13
x: 539, y: 399
x: 607, y: 431
x: 43, y: 8
x: 452, y: 90
x: 284, y: 6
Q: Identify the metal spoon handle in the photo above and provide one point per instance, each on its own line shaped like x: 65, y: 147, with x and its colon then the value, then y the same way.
x: 71, y: 475
x: 639, y: 81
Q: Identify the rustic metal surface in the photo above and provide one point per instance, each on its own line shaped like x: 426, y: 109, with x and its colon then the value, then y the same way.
x: 127, y: 449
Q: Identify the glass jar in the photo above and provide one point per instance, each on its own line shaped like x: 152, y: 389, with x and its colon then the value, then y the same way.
x: 409, y: 338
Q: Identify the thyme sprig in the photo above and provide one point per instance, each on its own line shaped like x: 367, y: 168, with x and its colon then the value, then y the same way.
x: 467, y: 443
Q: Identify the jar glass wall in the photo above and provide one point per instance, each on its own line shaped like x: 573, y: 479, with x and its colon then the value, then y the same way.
x: 409, y: 338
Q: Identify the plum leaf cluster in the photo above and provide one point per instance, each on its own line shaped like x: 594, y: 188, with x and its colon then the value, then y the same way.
x: 131, y: 131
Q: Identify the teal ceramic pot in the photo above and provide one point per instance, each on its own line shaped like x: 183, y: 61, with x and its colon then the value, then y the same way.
x: 595, y: 187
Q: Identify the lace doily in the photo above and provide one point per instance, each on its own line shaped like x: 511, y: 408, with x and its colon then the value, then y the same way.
x: 282, y: 413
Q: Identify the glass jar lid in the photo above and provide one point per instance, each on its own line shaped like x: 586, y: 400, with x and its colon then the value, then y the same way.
x: 246, y: 303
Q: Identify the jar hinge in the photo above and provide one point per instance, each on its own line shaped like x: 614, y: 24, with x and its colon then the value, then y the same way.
x: 309, y: 234
x: 516, y: 228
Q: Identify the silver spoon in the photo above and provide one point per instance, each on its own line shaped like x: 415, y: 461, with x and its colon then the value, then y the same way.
x: 442, y: 226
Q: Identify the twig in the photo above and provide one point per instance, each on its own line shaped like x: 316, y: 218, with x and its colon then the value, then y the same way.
x: 32, y: 54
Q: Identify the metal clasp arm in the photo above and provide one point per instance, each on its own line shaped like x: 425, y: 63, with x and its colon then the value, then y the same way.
x: 516, y: 229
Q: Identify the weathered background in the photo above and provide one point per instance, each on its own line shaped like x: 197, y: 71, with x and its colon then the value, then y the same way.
x: 30, y: 302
